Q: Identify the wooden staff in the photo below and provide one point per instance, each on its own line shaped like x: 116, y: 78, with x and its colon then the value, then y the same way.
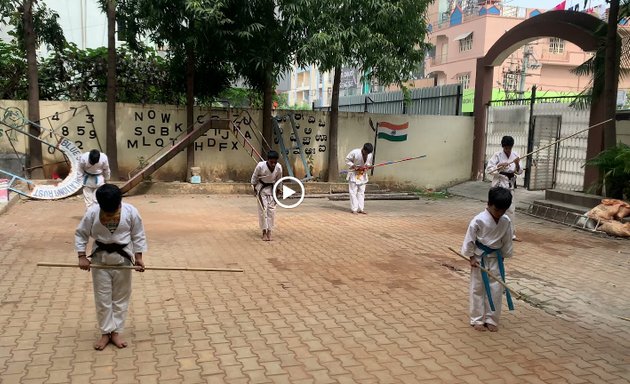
x: 554, y: 143
x: 493, y: 277
x: 97, y: 266
x: 387, y: 163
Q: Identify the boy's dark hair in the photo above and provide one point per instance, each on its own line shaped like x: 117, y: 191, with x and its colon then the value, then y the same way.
x: 273, y: 155
x: 108, y: 197
x: 507, y: 141
x: 500, y: 198
x: 368, y: 147
x: 94, y: 156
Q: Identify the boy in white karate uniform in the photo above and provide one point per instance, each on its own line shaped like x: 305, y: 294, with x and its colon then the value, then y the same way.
x: 94, y: 170
x: 487, y: 242
x: 504, y: 166
x: 358, y: 161
x: 118, y: 233
x: 265, y: 175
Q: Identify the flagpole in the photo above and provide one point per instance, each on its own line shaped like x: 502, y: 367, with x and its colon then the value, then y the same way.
x: 375, y: 142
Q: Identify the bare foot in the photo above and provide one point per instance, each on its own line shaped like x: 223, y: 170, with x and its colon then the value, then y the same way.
x: 492, y: 327
x: 516, y: 238
x: 102, y: 342
x: 479, y: 327
x: 363, y: 212
x: 269, y: 236
x: 264, y: 235
x: 118, y: 341
x: 354, y: 212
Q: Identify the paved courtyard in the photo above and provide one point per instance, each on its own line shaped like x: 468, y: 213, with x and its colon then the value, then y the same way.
x: 336, y: 298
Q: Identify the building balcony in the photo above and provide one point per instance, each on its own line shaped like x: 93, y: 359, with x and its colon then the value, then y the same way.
x: 303, y: 86
x: 555, y: 57
x: 439, y: 60
x: 451, y: 18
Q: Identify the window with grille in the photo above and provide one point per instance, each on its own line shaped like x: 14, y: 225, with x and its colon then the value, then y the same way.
x: 464, y: 80
x: 510, y: 80
x: 556, y: 45
x: 466, y: 43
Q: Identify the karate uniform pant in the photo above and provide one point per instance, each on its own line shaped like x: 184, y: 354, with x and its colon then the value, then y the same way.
x: 112, y: 290
x: 480, y: 312
x: 357, y: 196
x: 266, y: 211
x: 89, y: 195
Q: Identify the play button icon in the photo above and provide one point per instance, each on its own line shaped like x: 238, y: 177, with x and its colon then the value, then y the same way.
x: 287, y: 192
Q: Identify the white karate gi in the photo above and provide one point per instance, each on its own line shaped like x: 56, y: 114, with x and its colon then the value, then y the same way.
x: 357, y: 180
x: 499, y: 180
x: 93, y: 176
x: 267, y: 205
x: 112, y: 287
x: 496, y: 236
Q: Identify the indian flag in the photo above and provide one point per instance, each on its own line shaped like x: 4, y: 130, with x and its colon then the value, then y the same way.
x: 392, y: 132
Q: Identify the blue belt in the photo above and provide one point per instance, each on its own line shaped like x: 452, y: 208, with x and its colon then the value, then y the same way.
x: 85, y: 178
x: 484, y: 276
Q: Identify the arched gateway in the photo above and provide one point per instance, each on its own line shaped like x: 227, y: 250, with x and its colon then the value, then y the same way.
x: 576, y: 27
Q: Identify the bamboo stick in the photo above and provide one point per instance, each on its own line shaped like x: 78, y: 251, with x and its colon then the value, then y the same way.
x: 387, y: 163
x: 555, y: 142
x: 493, y: 277
x: 97, y: 266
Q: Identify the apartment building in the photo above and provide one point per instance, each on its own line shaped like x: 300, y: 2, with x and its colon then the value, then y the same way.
x: 462, y: 31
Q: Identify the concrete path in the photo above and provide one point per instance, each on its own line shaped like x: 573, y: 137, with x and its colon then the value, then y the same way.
x: 336, y: 298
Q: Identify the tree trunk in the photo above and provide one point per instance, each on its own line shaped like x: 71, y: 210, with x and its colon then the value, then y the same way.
x: 111, y: 146
x: 267, y: 108
x: 611, y: 74
x: 190, y: 104
x: 34, y: 160
x: 333, y: 167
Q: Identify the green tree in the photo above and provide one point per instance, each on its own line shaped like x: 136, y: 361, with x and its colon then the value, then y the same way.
x: 610, y: 63
x: 262, y: 36
x: 196, y: 49
x: 75, y: 74
x: 13, y: 84
x: 32, y: 25
x: 384, y: 39
x: 595, y: 67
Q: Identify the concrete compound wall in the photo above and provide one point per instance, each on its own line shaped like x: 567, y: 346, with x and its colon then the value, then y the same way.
x: 144, y: 130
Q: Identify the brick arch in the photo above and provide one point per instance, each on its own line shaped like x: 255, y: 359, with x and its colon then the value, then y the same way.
x: 576, y: 27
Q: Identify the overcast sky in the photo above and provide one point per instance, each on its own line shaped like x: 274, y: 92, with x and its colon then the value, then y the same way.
x: 70, y: 18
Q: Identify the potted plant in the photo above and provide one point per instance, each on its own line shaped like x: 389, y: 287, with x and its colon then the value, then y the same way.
x: 614, y: 165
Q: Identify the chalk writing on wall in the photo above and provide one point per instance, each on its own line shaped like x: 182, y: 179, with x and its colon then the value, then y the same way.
x: 153, y: 129
x: 311, y: 131
x: 75, y: 124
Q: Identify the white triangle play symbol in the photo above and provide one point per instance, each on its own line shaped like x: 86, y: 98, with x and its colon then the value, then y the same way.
x: 287, y: 192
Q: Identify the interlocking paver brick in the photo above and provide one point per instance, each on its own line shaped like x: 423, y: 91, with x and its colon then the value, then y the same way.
x: 312, y: 306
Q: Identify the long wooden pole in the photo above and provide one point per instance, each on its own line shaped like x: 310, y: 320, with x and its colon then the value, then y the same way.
x: 97, y: 266
x: 493, y: 277
x: 556, y: 142
x: 390, y: 162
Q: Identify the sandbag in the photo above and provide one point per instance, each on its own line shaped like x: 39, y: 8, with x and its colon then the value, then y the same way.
x: 610, y: 209
x: 615, y: 228
x: 603, y: 212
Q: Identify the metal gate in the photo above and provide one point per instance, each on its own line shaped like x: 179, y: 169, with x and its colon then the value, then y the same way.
x: 541, y: 166
x: 560, y: 166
